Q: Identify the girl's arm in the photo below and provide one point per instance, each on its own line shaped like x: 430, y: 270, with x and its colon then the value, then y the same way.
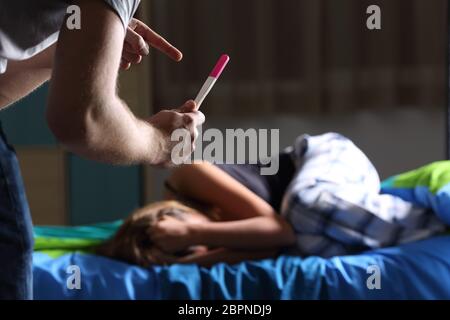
x: 249, y: 222
x: 173, y: 235
x: 206, y: 183
x: 253, y: 233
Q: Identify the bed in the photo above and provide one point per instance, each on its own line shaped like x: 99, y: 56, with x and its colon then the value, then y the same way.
x: 419, y: 270
x: 416, y: 270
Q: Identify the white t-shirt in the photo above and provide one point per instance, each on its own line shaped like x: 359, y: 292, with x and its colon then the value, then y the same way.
x: 28, y: 27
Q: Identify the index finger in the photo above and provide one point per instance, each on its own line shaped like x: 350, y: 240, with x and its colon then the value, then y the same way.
x: 157, y: 42
x: 198, y: 117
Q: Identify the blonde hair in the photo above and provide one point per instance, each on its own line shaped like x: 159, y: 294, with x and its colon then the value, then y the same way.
x: 132, y: 243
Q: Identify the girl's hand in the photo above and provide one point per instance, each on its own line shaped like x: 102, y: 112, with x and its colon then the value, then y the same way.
x: 172, y: 235
x: 163, y: 258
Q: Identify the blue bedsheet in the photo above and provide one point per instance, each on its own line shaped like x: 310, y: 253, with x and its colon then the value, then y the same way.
x: 419, y: 270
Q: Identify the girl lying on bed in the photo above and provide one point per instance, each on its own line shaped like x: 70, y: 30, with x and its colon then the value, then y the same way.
x: 323, y: 201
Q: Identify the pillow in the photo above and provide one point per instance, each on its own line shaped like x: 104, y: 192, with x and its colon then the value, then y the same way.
x: 428, y: 187
x: 334, y: 203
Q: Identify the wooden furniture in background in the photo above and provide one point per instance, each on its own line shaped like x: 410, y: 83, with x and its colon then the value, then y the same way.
x: 43, y: 172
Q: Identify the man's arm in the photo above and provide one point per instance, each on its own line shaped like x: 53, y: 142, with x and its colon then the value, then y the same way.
x: 84, y: 111
x: 23, y: 77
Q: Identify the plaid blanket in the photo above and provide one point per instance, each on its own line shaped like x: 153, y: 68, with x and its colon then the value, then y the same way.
x: 335, y: 206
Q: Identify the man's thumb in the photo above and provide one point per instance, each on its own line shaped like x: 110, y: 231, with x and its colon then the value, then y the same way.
x: 188, y: 106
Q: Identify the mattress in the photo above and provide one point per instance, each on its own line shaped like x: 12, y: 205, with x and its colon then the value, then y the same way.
x: 419, y: 270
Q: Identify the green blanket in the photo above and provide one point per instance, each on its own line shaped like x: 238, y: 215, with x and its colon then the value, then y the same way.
x: 57, y: 241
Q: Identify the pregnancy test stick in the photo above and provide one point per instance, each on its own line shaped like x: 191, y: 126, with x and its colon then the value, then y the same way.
x: 213, y: 76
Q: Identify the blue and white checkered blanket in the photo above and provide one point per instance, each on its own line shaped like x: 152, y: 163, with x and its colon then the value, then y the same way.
x: 335, y: 206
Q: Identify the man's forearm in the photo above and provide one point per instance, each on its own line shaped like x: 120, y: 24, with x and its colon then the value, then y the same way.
x: 253, y: 233
x: 23, y: 77
x: 15, y: 86
x: 120, y: 137
x: 105, y: 131
x: 4, y: 100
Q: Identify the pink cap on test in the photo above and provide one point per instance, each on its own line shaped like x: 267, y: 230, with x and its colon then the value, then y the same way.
x: 220, y: 65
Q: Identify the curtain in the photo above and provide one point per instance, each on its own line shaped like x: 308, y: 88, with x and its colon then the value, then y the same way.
x: 302, y: 56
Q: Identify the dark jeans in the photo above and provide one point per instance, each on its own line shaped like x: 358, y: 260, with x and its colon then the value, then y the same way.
x: 16, y: 230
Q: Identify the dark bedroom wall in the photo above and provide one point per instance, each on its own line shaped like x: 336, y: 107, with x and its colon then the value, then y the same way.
x: 100, y: 193
x: 24, y: 122
x: 303, y: 56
